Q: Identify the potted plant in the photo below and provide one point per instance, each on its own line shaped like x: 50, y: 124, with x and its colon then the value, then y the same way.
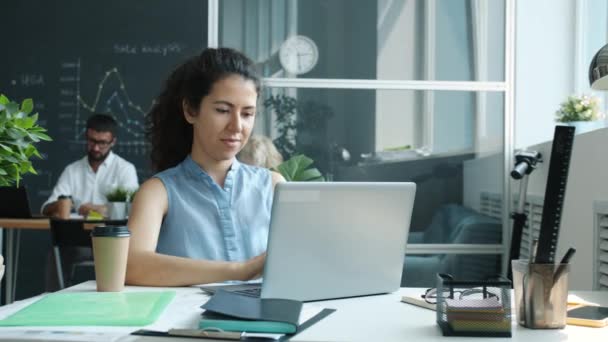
x: 301, y: 127
x: 298, y: 169
x: 582, y: 112
x: 118, y: 199
x: 18, y: 134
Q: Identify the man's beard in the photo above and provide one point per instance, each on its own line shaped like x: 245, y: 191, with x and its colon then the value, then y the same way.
x: 93, y: 157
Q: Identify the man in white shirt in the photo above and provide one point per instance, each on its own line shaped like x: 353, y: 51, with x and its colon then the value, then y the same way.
x: 88, y: 180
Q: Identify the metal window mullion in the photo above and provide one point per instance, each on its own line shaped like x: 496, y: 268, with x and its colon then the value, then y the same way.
x: 453, y: 248
x: 508, y: 119
x: 428, y: 102
x: 325, y: 83
x: 579, y: 44
x: 213, y: 16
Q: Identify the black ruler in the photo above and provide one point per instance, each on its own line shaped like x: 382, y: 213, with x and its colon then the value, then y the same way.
x: 554, y: 194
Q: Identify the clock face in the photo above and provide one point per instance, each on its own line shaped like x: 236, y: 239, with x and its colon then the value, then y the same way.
x: 298, y: 55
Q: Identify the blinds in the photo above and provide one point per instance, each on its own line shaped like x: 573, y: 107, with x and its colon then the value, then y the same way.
x: 601, y: 251
x: 534, y: 212
x: 491, y: 205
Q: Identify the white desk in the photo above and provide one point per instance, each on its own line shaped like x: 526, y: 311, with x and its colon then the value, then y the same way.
x: 374, y: 318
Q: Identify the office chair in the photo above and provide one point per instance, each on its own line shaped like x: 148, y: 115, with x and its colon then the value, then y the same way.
x: 66, y: 234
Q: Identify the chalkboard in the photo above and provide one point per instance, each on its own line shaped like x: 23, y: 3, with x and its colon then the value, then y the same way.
x: 77, y: 57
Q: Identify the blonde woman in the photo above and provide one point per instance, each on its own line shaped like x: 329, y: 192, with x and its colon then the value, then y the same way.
x: 260, y: 151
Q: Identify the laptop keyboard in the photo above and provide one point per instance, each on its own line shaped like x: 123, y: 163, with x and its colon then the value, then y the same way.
x: 251, y: 292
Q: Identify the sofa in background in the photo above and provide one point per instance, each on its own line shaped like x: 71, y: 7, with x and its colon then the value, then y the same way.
x: 453, y: 223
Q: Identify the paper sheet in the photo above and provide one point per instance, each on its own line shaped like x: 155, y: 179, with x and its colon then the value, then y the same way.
x: 59, y: 335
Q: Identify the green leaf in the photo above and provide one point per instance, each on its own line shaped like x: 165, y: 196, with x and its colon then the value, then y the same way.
x: 6, y: 148
x: 296, y: 169
x: 33, y: 137
x: 36, y: 153
x: 29, y: 151
x: 11, y: 108
x: 27, y: 106
x: 42, y: 136
x: 310, y: 174
x: 12, y: 159
x: 18, y: 134
x: 24, y: 166
x: 29, y: 121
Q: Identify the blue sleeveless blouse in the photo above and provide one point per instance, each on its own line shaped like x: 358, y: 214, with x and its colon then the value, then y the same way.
x: 205, y: 221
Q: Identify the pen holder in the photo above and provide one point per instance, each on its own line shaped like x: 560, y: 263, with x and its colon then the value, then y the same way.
x: 474, y: 308
x: 541, y: 294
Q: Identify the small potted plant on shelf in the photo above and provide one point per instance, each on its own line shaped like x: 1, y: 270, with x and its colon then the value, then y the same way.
x: 582, y: 112
x: 118, y: 199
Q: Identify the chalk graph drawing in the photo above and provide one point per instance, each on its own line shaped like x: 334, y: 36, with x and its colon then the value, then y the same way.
x: 111, y: 97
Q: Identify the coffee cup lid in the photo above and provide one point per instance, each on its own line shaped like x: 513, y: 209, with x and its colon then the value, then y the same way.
x: 111, y: 231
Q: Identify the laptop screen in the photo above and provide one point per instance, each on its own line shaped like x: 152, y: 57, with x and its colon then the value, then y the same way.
x: 337, y: 239
x: 14, y: 202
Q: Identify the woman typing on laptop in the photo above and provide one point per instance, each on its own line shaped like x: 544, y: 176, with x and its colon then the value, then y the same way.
x: 204, y: 217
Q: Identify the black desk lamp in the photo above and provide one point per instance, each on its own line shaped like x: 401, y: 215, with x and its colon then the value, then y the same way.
x: 598, y: 70
x: 525, y: 163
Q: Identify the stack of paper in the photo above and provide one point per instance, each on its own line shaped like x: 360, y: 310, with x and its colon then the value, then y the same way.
x: 479, y: 315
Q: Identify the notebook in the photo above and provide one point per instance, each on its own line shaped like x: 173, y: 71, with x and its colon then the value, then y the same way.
x: 93, y: 308
x: 230, y: 311
x: 14, y: 203
x: 334, y: 240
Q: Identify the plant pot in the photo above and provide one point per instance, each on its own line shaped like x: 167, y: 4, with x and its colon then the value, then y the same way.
x: 117, y: 210
x: 586, y: 126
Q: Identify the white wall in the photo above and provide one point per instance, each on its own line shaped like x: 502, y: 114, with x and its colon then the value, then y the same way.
x: 397, y: 59
x: 587, y: 182
x: 544, y: 74
x: 482, y: 174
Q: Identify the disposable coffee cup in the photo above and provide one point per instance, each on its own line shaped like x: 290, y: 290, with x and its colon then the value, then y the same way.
x: 64, y: 208
x: 110, y: 251
x: 541, y: 294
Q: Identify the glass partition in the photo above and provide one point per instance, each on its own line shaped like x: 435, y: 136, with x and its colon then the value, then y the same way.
x: 375, y: 135
x: 448, y: 40
x: 421, y: 270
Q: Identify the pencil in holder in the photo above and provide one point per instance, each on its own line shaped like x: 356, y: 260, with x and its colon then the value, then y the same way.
x: 541, y: 294
x: 474, y: 308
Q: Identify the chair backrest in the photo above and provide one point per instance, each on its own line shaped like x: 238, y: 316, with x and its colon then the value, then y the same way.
x: 447, y: 223
x: 69, y: 233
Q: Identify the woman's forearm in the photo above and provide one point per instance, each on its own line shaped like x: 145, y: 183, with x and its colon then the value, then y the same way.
x: 153, y: 269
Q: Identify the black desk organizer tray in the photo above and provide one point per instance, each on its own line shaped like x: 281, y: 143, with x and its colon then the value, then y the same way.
x: 474, y: 308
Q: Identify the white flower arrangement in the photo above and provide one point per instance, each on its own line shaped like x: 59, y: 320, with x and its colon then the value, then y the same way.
x: 579, y: 108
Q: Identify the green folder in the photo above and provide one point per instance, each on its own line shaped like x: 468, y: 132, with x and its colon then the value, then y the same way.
x: 93, y: 308
x: 212, y: 320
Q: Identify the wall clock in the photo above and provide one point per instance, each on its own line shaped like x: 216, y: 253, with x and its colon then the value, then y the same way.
x: 298, y: 55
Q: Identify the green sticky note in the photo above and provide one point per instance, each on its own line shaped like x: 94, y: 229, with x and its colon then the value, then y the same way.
x: 93, y: 308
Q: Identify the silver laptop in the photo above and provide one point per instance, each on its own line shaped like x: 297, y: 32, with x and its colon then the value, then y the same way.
x: 334, y: 240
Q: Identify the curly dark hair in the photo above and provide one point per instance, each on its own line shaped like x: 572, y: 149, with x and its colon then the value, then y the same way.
x: 169, y: 133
